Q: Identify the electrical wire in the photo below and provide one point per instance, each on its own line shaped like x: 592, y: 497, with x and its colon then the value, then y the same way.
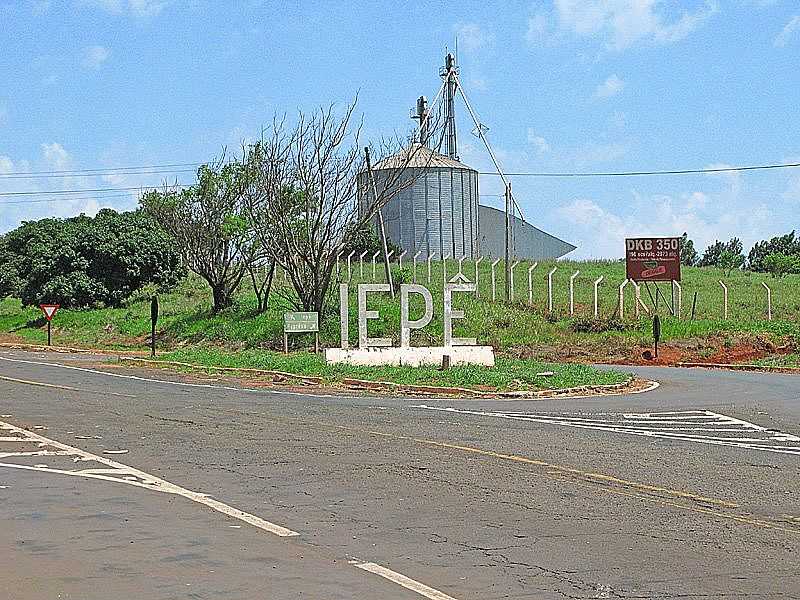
x: 643, y: 173
x: 103, y: 174
x: 102, y: 170
x: 87, y: 191
x: 69, y: 199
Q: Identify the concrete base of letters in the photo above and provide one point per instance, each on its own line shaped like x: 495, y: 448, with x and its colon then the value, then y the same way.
x: 415, y: 356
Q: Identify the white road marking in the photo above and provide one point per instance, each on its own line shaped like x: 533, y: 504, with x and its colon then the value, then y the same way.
x: 159, y: 381
x: 662, y: 425
x: 400, y: 579
x: 120, y: 473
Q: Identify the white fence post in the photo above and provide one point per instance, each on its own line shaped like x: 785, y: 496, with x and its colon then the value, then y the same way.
x: 725, y: 300
x: 416, y: 256
x: 444, y: 266
x: 769, y: 301
x: 400, y: 258
x: 477, y: 262
x: 550, y: 289
x: 430, y: 258
x: 677, y: 299
x: 338, y: 258
x: 361, y: 264
x: 622, y: 299
x: 511, y: 287
x: 461, y: 263
x: 374, y: 256
x: 530, y: 283
x: 597, y: 282
x: 349, y: 265
x: 494, y: 280
x: 572, y: 292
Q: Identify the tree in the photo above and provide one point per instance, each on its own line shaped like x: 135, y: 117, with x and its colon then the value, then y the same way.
x: 728, y: 261
x: 689, y: 255
x: 713, y: 254
x: 308, y: 196
x: 211, y: 227
x: 85, y: 261
x: 788, y: 245
x: 779, y: 264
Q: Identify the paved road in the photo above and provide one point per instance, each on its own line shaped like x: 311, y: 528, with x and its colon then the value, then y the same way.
x: 119, y: 484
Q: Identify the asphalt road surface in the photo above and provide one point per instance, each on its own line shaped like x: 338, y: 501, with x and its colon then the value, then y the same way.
x: 119, y: 484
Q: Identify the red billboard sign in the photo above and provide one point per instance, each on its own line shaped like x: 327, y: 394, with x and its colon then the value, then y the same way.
x: 653, y: 259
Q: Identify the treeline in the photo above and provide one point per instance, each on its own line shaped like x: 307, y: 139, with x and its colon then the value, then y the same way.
x: 778, y: 256
x: 298, y: 199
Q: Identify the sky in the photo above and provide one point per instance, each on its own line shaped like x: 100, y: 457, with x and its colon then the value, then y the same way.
x: 561, y: 85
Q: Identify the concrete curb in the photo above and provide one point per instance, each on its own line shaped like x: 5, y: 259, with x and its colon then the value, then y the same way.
x: 735, y: 367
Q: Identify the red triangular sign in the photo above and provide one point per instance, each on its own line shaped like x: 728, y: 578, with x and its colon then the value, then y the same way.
x: 49, y: 310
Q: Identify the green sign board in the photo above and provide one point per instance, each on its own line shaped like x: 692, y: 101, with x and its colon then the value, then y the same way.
x: 300, y: 322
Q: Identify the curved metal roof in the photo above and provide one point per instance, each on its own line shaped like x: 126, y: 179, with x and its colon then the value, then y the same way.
x: 418, y: 156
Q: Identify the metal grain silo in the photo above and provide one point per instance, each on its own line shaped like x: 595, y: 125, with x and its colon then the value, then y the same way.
x: 434, y: 204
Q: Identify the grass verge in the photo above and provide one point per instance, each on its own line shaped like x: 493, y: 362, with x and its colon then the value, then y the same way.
x: 509, y: 374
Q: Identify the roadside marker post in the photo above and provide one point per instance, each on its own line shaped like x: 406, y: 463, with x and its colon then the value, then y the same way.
x: 724, y: 300
x: 300, y: 322
x: 153, y: 321
x: 49, y: 311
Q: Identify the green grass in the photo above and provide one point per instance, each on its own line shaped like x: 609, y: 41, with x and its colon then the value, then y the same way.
x: 516, y: 330
x: 508, y: 374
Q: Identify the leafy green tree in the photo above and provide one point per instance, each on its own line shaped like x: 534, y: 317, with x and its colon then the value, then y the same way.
x: 86, y: 261
x: 788, y: 245
x: 689, y: 256
x: 728, y: 261
x: 779, y: 264
x: 713, y: 254
x: 211, y: 227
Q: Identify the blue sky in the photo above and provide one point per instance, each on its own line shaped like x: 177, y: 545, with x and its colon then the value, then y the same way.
x: 563, y: 85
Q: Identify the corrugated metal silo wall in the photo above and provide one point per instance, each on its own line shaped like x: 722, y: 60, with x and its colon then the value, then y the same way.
x: 436, y: 210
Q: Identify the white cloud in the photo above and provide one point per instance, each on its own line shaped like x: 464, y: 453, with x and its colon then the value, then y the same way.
x: 787, y: 32
x: 539, y: 29
x: 6, y: 165
x: 472, y: 37
x: 610, y: 87
x: 538, y: 141
x: 622, y: 23
x: 56, y: 156
x: 95, y: 56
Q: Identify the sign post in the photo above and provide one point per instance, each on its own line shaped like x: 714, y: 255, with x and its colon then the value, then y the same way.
x: 153, y: 321
x: 300, y: 322
x: 49, y: 311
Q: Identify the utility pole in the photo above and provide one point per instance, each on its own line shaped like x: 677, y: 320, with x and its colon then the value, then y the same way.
x: 384, y: 244
x: 508, y: 242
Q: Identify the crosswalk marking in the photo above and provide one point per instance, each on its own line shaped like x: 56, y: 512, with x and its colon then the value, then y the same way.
x: 699, y: 426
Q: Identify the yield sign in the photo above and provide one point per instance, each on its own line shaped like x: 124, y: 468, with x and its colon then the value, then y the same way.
x: 49, y: 310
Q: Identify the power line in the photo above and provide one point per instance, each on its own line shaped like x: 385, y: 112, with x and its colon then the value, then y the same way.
x: 89, y: 191
x: 640, y: 173
x: 68, y: 199
x: 104, y: 169
x: 97, y: 174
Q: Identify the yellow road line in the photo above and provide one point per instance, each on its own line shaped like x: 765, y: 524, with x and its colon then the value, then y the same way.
x: 586, y: 477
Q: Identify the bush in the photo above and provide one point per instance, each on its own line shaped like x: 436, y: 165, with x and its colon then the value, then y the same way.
x: 84, y: 261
